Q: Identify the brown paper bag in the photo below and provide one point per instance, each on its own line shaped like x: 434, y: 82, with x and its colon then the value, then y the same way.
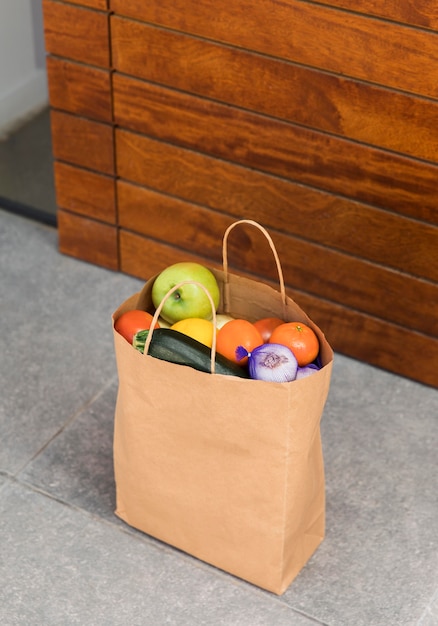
x: 226, y: 469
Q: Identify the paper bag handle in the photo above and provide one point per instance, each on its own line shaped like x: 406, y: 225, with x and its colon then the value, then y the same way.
x: 274, y: 251
x: 160, y: 306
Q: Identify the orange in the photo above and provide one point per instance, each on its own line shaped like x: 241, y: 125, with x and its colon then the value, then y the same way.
x: 237, y: 332
x: 299, y: 338
x: 266, y: 325
x: 197, y: 328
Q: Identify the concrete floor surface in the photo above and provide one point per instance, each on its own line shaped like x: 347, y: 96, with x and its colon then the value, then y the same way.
x: 66, y: 559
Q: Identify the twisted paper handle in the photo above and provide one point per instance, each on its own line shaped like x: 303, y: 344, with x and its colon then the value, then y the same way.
x: 274, y: 251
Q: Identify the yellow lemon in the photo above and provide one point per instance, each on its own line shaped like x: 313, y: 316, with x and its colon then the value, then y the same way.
x: 197, y: 328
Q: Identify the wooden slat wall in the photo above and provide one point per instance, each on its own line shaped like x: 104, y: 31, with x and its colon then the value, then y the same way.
x: 93, y: 4
x: 342, y: 106
x: 420, y: 13
x: 318, y: 121
x: 303, y: 32
x: 134, y: 157
x: 80, y: 89
x: 77, y: 33
x: 79, y: 77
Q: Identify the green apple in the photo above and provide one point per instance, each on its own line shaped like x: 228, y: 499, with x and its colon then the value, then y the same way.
x: 189, y: 300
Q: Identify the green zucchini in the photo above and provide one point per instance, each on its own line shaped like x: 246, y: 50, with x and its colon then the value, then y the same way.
x: 175, y: 347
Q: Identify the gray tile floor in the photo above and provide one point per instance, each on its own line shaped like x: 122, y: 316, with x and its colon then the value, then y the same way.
x: 66, y: 559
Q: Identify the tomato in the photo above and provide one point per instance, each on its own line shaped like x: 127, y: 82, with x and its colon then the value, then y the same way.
x: 299, y: 338
x: 266, y: 325
x: 129, y: 323
x: 237, y: 332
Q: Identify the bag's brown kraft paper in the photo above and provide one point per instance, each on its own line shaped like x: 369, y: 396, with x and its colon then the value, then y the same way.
x: 226, y: 469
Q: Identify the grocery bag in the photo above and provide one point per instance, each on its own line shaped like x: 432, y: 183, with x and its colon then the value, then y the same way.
x: 226, y: 469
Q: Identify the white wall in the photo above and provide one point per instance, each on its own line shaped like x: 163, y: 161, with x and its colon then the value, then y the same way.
x: 23, y: 80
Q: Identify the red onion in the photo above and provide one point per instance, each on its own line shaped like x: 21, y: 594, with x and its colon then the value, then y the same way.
x: 306, y: 370
x: 271, y: 362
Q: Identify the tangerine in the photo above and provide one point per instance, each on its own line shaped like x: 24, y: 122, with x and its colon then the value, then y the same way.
x: 237, y: 332
x: 299, y: 338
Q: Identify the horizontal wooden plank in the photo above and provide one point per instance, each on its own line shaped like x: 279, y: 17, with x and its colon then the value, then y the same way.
x: 370, y: 49
x: 360, y: 230
x: 349, y: 169
x: 76, y: 33
x: 353, y: 333
x: 313, y: 268
x: 420, y: 13
x: 374, y: 341
x: 92, y: 4
x: 85, y: 192
x: 379, y: 117
x: 82, y: 142
x: 86, y: 239
x: 143, y: 257
x: 80, y: 89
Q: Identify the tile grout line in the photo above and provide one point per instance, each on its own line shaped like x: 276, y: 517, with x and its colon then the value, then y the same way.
x: 65, y: 425
x: 161, y: 546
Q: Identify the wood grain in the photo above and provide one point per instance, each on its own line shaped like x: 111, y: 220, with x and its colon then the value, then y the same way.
x: 80, y: 89
x: 374, y: 341
x: 84, y: 192
x: 92, y: 4
x: 418, y: 13
x: 391, y: 240
x: 365, y: 113
x: 86, y: 239
x: 309, y: 267
x: 371, y: 175
x: 83, y: 142
x: 380, y: 343
x: 76, y: 33
x: 345, y: 43
x: 317, y: 119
